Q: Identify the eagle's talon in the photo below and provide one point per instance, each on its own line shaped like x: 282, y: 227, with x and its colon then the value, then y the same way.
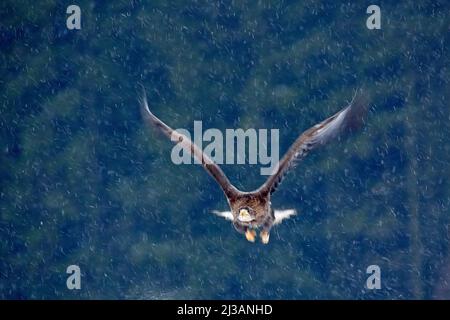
x: 265, y: 237
x: 250, y: 235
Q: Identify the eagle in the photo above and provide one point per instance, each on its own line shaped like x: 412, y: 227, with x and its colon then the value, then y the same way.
x: 252, y: 211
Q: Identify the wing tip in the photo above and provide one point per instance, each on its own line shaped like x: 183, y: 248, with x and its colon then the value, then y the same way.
x: 146, y: 113
x: 358, y: 109
x: 142, y: 98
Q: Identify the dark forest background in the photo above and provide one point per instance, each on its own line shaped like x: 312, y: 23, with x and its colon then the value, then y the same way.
x: 83, y: 181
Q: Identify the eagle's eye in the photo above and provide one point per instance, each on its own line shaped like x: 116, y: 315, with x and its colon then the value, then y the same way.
x: 244, y: 215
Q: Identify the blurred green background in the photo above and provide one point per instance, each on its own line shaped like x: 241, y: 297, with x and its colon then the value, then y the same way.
x: 83, y: 181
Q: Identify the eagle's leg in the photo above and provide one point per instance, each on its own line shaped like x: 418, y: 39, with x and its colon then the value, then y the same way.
x: 250, y: 234
x: 265, y: 232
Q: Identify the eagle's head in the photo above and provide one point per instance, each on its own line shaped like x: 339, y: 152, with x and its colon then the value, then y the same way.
x: 246, y: 215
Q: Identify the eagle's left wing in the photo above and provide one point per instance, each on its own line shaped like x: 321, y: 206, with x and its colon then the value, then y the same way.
x: 212, y: 168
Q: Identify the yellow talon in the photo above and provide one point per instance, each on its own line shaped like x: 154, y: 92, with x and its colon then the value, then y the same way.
x: 250, y: 235
x: 265, y: 237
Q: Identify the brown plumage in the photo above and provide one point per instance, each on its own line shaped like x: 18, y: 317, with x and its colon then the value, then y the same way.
x: 252, y: 210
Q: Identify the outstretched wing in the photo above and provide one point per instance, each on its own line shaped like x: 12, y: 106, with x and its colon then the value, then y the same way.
x: 224, y: 214
x: 212, y: 168
x: 280, y: 215
x: 346, y: 119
